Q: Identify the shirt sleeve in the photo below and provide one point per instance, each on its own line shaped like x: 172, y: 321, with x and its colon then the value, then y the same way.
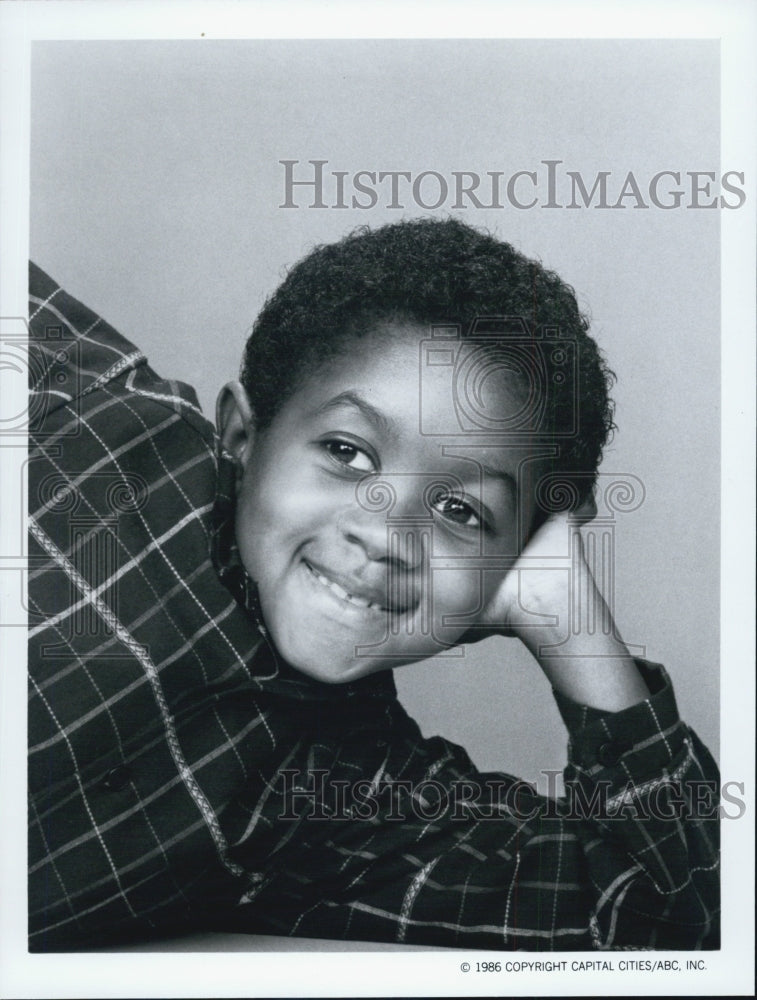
x: 430, y: 851
x: 656, y: 789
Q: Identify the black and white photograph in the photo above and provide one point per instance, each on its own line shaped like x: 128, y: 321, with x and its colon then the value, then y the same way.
x: 378, y: 489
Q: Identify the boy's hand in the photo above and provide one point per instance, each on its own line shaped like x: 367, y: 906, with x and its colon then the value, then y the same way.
x: 550, y: 601
x: 536, y: 593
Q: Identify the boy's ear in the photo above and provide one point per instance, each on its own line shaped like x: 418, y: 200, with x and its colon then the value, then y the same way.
x: 235, y: 421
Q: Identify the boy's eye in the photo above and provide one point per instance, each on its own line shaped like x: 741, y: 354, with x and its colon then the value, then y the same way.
x: 456, y: 510
x: 349, y: 455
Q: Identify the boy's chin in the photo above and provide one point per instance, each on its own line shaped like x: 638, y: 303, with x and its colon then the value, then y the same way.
x: 332, y: 669
x: 321, y: 658
x: 341, y: 673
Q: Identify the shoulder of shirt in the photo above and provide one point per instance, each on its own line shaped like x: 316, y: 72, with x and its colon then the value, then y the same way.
x: 74, y: 352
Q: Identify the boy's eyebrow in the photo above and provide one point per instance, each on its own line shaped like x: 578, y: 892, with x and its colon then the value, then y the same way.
x: 499, y: 475
x: 489, y: 471
x: 493, y: 473
x: 369, y: 411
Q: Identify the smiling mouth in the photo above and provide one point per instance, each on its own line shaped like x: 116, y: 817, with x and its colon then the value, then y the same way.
x: 356, y: 600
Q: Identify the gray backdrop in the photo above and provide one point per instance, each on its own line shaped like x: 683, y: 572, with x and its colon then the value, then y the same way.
x: 156, y: 187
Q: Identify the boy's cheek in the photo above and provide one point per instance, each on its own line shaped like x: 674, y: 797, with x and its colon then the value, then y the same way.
x: 460, y: 599
x: 273, y: 508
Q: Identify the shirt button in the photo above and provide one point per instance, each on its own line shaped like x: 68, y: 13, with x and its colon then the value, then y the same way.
x: 609, y: 754
x: 116, y: 778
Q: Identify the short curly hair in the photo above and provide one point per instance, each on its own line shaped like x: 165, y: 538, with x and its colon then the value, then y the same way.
x: 429, y: 272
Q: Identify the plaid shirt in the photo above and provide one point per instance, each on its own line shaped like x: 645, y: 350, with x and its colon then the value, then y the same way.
x: 180, y: 775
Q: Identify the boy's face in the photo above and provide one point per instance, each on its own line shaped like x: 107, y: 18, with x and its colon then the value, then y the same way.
x: 374, y: 541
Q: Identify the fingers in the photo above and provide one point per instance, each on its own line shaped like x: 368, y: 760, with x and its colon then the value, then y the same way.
x: 583, y: 514
x: 571, y: 518
x: 586, y: 512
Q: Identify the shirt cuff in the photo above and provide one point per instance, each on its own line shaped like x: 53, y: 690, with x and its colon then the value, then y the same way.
x: 650, y: 730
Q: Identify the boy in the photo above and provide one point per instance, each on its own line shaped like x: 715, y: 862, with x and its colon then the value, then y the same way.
x: 407, y: 399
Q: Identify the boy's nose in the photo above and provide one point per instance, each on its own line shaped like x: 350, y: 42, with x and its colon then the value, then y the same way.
x: 401, y: 542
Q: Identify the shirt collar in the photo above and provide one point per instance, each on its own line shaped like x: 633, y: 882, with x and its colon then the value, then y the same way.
x: 224, y: 550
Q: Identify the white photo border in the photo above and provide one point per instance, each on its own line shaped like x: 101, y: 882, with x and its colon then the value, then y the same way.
x: 309, y: 973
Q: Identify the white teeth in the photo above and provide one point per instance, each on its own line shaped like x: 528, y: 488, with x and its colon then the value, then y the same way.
x: 360, y: 602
